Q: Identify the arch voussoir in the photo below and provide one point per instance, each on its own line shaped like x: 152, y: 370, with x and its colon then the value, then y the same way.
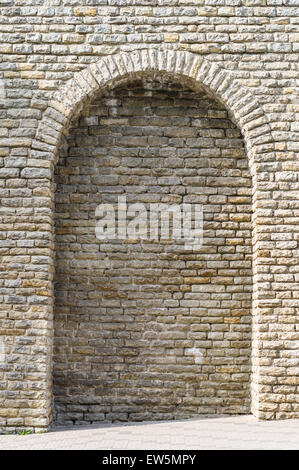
x: 145, y: 60
x: 218, y: 78
x: 97, y: 74
x: 86, y: 82
x: 212, y: 72
x: 202, y: 73
x: 162, y: 60
x: 113, y: 70
x: 104, y: 70
x: 253, y: 119
x: 154, y: 59
x: 48, y: 134
x: 68, y: 101
x: 128, y: 62
x: 122, y: 67
x: 136, y: 59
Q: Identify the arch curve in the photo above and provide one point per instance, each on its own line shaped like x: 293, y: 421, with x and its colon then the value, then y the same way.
x: 189, y: 68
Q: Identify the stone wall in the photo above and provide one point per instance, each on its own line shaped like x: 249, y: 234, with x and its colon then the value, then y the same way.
x: 58, y: 55
x: 148, y: 330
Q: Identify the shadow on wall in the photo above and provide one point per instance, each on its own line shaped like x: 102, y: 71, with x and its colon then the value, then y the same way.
x: 146, y: 330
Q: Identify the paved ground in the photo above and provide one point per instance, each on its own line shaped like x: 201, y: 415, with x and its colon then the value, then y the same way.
x: 237, y: 432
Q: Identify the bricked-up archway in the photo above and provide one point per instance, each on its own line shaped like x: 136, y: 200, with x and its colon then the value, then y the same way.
x: 147, y: 329
x: 193, y: 71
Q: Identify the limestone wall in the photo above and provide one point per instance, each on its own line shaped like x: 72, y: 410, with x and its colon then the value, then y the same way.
x: 147, y: 329
x: 57, y: 57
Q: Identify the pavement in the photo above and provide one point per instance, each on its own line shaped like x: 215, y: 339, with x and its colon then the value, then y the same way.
x: 223, y: 433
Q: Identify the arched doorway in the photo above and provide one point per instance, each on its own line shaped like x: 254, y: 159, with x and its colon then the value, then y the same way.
x: 145, y: 329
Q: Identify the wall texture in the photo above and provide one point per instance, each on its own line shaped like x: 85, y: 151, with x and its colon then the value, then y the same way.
x: 148, y: 330
x: 56, y: 57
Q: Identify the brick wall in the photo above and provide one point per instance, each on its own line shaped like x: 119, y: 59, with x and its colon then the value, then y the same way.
x: 58, y: 55
x: 148, y: 330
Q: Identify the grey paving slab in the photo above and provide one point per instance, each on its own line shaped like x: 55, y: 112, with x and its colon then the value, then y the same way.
x: 237, y: 432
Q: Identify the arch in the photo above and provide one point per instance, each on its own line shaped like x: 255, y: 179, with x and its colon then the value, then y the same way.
x: 196, y: 70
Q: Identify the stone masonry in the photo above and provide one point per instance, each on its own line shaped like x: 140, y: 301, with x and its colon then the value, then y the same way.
x: 161, y: 100
x: 147, y: 330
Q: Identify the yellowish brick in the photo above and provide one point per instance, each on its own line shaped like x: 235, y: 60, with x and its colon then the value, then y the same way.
x: 85, y: 11
x: 171, y: 37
